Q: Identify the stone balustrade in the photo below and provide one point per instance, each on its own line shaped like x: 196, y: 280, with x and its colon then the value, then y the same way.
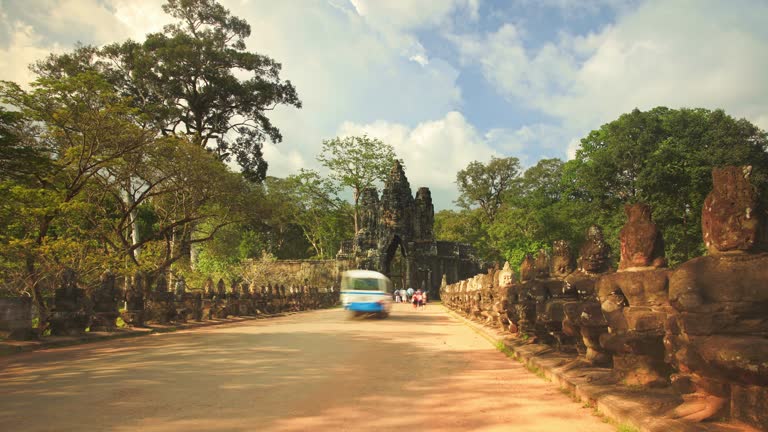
x: 700, y: 328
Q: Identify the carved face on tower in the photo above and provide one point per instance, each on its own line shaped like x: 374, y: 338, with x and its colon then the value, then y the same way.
x: 593, y: 255
x: 221, y: 289
x: 641, y: 242
x: 730, y: 220
x: 562, y: 259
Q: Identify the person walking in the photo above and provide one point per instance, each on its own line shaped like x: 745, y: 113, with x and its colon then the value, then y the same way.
x: 416, y: 300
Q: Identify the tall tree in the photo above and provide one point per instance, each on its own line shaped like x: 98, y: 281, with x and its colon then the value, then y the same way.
x: 485, y: 185
x: 187, y: 79
x: 664, y: 157
x: 357, y: 162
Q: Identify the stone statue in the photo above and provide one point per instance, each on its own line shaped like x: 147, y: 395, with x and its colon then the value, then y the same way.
x: 635, y: 303
x: 134, y: 314
x: 71, y: 308
x: 522, y: 307
x: 583, y: 316
x: 104, y: 299
x: 718, y: 338
x: 550, y: 312
x: 181, y: 287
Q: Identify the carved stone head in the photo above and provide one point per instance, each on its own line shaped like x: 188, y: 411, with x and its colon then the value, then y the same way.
x: 506, y: 276
x: 69, y: 280
x: 208, y: 287
x: 593, y: 255
x: 527, y: 271
x: 221, y: 288
x: 162, y: 284
x: 730, y: 220
x: 641, y: 242
x: 542, y: 264
x: 107, y: 281
x: 562, y: 259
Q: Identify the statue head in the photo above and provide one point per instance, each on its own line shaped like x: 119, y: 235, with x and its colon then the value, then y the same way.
x: 593, y: 255
x: 562, y: 259
x: 730, y: 218
x: 69, y: 280
x: 506, y: 276
x: 541, y: 265
x: 641, y: 242
x: 221, y: 288
x: 527, y: 271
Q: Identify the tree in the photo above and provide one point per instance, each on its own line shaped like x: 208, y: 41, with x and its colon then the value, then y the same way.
x: 485, y: 185
x: 357, y: 162
x: 186, y: 79
x: 664, y: 157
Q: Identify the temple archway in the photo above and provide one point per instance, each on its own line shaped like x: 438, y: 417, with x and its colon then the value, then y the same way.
x: 395, y: 263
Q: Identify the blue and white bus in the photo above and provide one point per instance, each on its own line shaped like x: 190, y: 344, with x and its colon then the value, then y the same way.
x: 365, y: 291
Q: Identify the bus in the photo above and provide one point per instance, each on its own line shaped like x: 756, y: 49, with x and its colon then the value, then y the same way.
x: 366, y: 292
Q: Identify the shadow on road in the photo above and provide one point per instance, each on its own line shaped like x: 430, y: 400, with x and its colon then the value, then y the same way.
x: 409, y: 371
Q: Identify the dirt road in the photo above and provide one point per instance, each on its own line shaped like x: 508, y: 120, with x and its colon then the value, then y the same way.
x: 311, y: 371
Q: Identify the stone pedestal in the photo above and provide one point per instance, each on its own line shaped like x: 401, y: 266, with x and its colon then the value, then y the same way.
x: 71, y: 312
x: 16, y: 318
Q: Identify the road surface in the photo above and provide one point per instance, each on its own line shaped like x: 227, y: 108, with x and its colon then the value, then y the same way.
x: 415, y: 371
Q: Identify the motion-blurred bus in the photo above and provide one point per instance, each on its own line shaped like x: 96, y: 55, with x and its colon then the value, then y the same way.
x: 366, y: 292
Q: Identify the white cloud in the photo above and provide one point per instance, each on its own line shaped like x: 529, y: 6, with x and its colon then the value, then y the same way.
x: 678, y: 54
x: 413, y: 14
x: 41, y: 28
x: 343, y: 70
x: 433, y: 151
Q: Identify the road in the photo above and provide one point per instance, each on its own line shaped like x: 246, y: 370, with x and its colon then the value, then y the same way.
x: 416, y: 370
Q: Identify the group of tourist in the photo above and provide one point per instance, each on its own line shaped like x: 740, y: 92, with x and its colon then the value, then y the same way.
x: 417, y: 298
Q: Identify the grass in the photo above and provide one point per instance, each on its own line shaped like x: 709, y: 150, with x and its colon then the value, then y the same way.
x: 626, y: 428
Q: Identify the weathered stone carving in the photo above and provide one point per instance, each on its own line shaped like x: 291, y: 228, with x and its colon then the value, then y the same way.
x: 162, y: 307
x: 641, y: 243
x: 635, y: 303
x: 583, y: 317
x: 134, y: 300
x: 556, y: 293
x: 71, y: 309
x: 399, y: 224
x: 718, y: 339
x: 522, y: 313
x: 104, y: 298
x: 16, y: 318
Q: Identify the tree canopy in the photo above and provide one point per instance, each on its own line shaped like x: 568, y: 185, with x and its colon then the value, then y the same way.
x: 185, y: 79
x: 662, y: 157
x: 357, y: 162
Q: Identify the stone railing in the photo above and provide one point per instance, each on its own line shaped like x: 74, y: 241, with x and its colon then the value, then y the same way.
x: 74, y: 309
x: 700, y: 328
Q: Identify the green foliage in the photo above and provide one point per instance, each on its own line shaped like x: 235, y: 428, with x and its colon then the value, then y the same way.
x: 662, y: 157
x: 357, y: 162
x: 485, y: 185
x: 186, y: 79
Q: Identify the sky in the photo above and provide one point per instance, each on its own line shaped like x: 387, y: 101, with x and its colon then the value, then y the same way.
x: 448, y: 82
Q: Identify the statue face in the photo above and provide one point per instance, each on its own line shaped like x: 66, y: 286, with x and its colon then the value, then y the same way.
x: 527, y: 268
x: 730, y: 219
x: 594, y: 252
x: 641, y: 243
x: 562, y: 259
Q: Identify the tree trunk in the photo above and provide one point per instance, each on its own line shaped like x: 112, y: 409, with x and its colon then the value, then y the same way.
x: 356, y: 197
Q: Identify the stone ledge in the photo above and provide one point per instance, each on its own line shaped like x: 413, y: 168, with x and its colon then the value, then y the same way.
x: 10, y: 347
x: 639, y: 408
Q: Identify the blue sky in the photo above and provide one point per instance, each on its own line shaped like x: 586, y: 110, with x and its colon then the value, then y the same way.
x: 449, y: 82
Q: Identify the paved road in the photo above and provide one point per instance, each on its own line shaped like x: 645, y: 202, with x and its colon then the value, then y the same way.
x: 311, y: 371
